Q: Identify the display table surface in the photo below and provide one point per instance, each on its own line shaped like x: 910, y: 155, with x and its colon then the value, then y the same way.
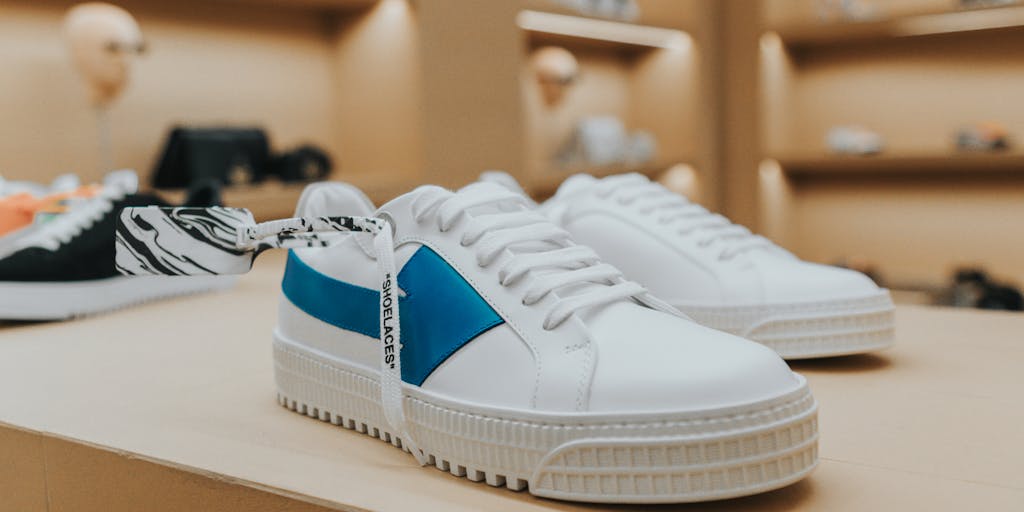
x: 173, y: 404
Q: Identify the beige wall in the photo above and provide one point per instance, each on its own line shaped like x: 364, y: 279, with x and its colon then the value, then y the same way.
x: 377, y: 86
x: 471, y: 58
x: 208, y: 63
x: 916, y: 231
x: 915, y: 93
x: 916, y: 227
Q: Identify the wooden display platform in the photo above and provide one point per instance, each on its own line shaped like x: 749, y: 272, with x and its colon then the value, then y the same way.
x: 171, y: 406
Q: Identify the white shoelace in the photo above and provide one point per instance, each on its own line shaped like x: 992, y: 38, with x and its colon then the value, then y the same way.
x: 499, y: 223
x: 81, y: 215
x: 310, y: 231
x: 676, y: 211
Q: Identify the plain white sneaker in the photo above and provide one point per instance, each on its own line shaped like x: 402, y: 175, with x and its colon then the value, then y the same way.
x: 524, y: 362
x: 719, y: 273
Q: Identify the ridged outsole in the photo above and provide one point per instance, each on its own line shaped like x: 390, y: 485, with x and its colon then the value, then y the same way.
x: 809, y: 330
x: 671, y: 458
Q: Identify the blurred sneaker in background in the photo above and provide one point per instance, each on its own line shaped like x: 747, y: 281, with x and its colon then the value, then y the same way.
x: 64, y: 268
x: 719, y: 273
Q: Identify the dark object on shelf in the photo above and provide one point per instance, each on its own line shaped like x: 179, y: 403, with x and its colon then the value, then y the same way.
x: 234, y: 156
x: 305, y: 163
x: 984, y: 4
x: 973, y: 288
x: 982, y: 137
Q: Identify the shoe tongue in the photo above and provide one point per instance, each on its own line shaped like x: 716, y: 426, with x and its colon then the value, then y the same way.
x: 576, y: 183
x: 503, y: 179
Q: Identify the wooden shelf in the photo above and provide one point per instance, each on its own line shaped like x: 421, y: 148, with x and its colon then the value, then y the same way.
x: 929, y: 24
x: 544, y: 27
x: 327, y: 5
x: 274, y: 200
x: 951, y: 163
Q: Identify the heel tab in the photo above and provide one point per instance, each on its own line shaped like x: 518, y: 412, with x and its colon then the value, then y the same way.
x: 333, y: 198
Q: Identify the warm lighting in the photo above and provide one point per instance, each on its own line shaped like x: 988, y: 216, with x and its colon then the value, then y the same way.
x: 393, y: 7
x: 603, y: 30
x: 964, y: 21
x: 775, y: 201
x: 681, y: 179
x: 770, y: 169
x: 770, y: 41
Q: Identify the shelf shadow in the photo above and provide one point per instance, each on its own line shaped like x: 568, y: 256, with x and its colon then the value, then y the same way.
x: 843, y: 364
x: 791, y: 497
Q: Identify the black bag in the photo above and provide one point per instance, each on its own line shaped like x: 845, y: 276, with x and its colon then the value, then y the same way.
x: 232, y: 156
x: 305, y: 163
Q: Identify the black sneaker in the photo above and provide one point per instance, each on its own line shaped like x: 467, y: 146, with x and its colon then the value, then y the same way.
x: 66, y: 268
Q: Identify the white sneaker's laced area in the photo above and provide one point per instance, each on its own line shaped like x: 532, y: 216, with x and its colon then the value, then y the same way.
x: 494, y: 223
x: 81, y: 215
x: 321, y: 231
x: 676, y: 211
x: 497, y: 222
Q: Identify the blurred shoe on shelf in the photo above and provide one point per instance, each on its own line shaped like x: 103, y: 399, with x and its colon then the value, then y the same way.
x: 519, y: 358
x: 987, y: 136
x: 719, y: 273
x: 853, y: 140
x: 64, y: 268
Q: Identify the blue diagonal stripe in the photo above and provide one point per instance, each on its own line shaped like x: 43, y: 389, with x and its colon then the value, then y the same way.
x: 440, y: 311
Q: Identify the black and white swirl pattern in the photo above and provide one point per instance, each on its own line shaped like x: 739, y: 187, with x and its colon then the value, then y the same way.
x: 182, y: 241
x: 188, y: 241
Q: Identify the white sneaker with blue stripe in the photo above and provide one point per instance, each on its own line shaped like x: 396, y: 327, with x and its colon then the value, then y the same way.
x: 516, y: 356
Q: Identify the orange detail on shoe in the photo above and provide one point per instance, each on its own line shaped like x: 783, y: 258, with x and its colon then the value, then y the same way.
x: 20, y: 210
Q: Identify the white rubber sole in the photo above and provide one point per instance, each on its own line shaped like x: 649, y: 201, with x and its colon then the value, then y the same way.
x: 809, y: 329
x: 62, y: 300
x: 629, y: 458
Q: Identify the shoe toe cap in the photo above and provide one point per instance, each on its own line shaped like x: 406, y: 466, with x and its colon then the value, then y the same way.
x: 799, y: 281
x: 658, y: 362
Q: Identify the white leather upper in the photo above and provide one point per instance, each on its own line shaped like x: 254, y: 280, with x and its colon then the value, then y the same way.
x: 682, y: 269
x: 621, y: 357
